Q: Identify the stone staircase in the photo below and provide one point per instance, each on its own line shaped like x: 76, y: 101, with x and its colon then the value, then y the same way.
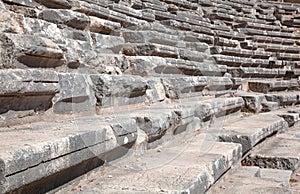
x: 148, y: 96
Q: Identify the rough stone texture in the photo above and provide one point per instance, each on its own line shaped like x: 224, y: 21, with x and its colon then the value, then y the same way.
x: 280, y: 152
x: 252, y: 130
x: 162, y: 172
x: 253, y: 180
x: 67, y: 17
x: 76, y: 94
x: 66, y: 144
x: 148, y: 72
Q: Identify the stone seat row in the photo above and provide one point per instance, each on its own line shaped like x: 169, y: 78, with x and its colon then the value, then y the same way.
x: 89, y: 143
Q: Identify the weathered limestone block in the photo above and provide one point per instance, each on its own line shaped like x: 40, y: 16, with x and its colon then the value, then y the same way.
x: 2, y: 6
x: 42, y: 28
x: 76, y: 94
x: 22, y: 90
x: 113, y: 43
x: 251, y: 130
x: 241, y: 52
x: 288, y: 56
x: 63, y: 147
x: 156, y: 7
x: 253, y: 102
x: 231, y: 35
x: 272, y: 85
x: 253, y: 180
x: 280, y: 152
x: 284, y: 98
x: 154, y: 122
x: 150, y: 37
x: 150, y: 50
x: 243, y: 61
x: 99, y: 25
x: 226, y: 42
x: 67, y: 17
x: 274, y: 40
x: 77, y: 53
x: 251, y: 72
x: 132, y: 12
x: 125, y: 130
x: 183, y: 87
x: 11, y: 22
x: 156, y: 91
x: 102, y: 12
x: 57, y: 4
x: 114, y: 91
x: 156, y: 66
x: 30, y: 50
x: 183, y: 3
x: 219, y: 107
x: 195, y: 37
x: 27, y: 3
x: 187, y: 54
x: 218, y: 83
x: 258, y: 26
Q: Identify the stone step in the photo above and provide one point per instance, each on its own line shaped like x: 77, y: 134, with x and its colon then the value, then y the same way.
x: 45, y: 149
x: 280, y: 152
x: 151, y: 49
x: 233, y: 18
x: 253, y: 180
x: 162, y: 38
x: 158, y: 66
x: 164, y: 170
x: 249, y: 131
x: 177, y: 25
x: 233, y: 61
x: 277, y: 48
x: 257, y: 72
x: 140, y: 14
x: 96, y: 10
x: 221, y: 41
x: 27, y: 91
x: 266, y: 86
x: 30, y: 51
x: 240, y: 52
x: 182, y: 87
x: 249, y: 31
x: 256, y: 102
x: 259, y: 26
x: 183, y: 3
x: 284, y: 98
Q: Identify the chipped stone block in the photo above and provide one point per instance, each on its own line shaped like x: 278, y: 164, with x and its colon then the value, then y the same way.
x: 99, y: 25
x: 67, y: 17
x: 25, y: 90
x: 114, y: 91
x: 76, y: 94
x: 30, y: 50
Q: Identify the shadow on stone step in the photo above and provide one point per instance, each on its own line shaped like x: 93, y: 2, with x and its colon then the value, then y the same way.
x: 50, y: 183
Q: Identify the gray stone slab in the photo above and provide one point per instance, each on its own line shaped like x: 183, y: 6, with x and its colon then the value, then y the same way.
x: 253, y: 180
x: 251, y: 130
x: 27, y: 82
x: 67, y: 17
x: 280, y: 152
x: 167, y: 170
x: 283, y: 98
x: 99, y: 25
x: 265, y: 86
x: 156, y: 66
x: 56, y: 147
x: 114, y: 91
x: 76, y: 94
